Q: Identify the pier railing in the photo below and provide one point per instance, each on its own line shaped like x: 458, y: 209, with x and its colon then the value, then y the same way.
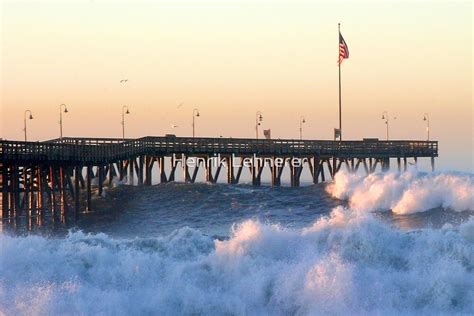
x: 111, y: 149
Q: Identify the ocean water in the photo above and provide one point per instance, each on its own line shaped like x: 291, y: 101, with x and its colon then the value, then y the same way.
x: 384, y: 244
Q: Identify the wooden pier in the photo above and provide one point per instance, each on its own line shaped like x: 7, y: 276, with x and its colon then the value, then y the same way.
x: 58, y: 177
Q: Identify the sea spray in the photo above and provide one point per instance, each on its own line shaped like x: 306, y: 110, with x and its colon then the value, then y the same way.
x: 355, y: 266
x: 405, y: 193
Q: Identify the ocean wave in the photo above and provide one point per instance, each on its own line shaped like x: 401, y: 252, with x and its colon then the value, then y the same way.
x: 405, y: 193
x: 338, y: 265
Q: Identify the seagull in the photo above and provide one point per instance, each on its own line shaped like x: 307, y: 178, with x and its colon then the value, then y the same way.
x: 180, y: 105
x: 174, y: 126
x: 123, y: 80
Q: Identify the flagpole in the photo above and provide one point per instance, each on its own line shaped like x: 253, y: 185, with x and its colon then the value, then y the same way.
x: 339, y: 63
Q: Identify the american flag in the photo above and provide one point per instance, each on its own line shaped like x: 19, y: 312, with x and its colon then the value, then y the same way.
x: 343, y: 49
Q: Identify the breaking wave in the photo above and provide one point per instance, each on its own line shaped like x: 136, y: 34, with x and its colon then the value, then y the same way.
x: 348, y: 262
x: 330, y: 267
x: 405, y: 193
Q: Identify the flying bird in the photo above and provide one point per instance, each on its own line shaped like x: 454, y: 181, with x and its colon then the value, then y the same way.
x: 174, y: 126
x: 123, y: 80
x: 180, y: 105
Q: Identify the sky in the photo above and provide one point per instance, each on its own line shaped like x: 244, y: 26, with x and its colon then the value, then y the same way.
x: 231, y: 59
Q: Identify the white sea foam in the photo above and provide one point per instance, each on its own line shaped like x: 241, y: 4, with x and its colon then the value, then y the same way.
x: 405, y: 193
x: 334, y: 266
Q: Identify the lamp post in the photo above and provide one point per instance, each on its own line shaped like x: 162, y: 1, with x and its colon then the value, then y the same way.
x: 385, y: 117
x: 61, y: 119
x: 195, y: 114
x: 24, y: 122
x: 426, y: 117
x: 125, y: 110
x: 258, y: 119
x: 302, y: 121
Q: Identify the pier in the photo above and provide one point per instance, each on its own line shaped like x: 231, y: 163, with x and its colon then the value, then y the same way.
x: 59, y: 177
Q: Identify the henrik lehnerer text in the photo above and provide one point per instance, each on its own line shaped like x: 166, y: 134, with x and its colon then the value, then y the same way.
x: 219, y: 161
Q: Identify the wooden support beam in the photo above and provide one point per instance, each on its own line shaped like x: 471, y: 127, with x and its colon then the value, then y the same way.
x: 195, y: 173
x: 260, y: 167
x: 404, y: 163
x: 4, y: 212
x: 209, y: 171
x: 311, y: 168
x: 152, y: 163
x: 44, y: 190
x: 100, y: 171
x: 386, y: 163
x: 256, y: 171
x: 81, y: 180
x: 137, y: 170
x: 432, y: 164
x: 111, y: 174
x: 215, y: 177
x: 161, y: 164
x: 33, y: 190
x: 273, y: 170
x: 239, y: 173
x: 26, y: 192
x: 298, y: 170
x: 130, y: 170
x: 399, y: 165
x: 91, y: 173
x: 295, y: 173
x: 47, y: 188
x: 12, y: 191
x: 122, y: 169
x: 280, y: 171
x: 293, y: 176
x: 106, y: 171
x: 230, y: 169
x: 149, y: 160
x: 186, y: 174
x: 89, y: 189
x: 40, y: 191
x: 331, y: 168
x: 315, y: 167
x: 173, y: 166
x: 276, y: 172
x: 323, y: 177
x: 140, y: 170
x: 53, y: 181
x: 77, y: 191
x: 62, y: 192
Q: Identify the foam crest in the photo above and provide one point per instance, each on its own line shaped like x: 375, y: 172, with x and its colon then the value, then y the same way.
x: 338, y: 265
x: 405, y: 193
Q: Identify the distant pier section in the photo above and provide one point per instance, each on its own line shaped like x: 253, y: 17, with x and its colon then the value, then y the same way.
x: 58, y: 177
